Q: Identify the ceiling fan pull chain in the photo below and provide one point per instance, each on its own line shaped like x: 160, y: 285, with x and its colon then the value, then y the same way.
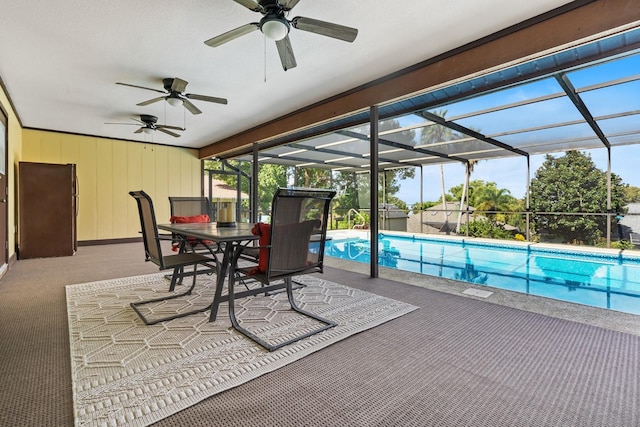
x: 265, y: 57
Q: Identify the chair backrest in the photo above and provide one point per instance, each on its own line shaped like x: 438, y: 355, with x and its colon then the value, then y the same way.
x: 190, y: 206
x: 299, y: 221
x: 152, y: 249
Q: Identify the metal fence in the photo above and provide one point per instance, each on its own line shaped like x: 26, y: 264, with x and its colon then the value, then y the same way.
x: 598, y: 229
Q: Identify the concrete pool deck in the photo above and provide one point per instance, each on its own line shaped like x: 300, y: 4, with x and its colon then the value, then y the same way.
x: 609, y: 319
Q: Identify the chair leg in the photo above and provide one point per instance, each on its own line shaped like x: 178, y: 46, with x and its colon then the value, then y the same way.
x: 177, y: 272
x: 234, y: 321
x: 327, y: 324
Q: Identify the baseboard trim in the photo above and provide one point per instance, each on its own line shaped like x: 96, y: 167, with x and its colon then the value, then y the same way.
x: 109, y: 241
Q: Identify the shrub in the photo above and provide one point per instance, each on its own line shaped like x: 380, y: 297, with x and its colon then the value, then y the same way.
x: 485, y: 228
x: 622, y: 244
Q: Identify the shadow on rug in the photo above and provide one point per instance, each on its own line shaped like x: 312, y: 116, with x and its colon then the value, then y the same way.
x: 126, y: 373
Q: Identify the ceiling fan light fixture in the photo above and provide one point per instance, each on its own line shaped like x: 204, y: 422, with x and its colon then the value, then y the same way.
x: 174, y: 102
x: 274, y: 28
x: 147, y: 130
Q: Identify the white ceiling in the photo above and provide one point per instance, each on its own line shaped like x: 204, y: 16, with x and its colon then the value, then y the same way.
x: 59, y: 61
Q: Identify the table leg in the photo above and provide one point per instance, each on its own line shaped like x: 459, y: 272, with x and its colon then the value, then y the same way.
x: 222, y: 273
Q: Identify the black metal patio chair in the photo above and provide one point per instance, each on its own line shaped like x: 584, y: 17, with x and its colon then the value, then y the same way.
x: 187, y: 206
x: 191, y: 209
x: 292, y: 245
x: 177, y: 263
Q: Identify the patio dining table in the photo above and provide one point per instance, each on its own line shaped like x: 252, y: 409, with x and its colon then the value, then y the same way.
x: 231, y: 240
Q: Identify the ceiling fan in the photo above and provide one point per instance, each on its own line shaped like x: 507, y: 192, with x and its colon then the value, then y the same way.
x: 174, y: 87
x: 274, y: 25
x: 149, y: 125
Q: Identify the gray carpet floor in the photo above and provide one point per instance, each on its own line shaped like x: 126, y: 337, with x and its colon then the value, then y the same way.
x: 456, y: 361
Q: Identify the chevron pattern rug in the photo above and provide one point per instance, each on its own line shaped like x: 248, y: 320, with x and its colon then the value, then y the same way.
x: 128, y: 374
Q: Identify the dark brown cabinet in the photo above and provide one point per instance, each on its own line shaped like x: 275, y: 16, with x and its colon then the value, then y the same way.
x: 48, y: 197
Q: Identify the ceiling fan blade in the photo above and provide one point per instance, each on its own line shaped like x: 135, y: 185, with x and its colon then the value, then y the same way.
x: 323, y: 28
x: 140, y: 87
x: 168, y: 132
x: 179, y: 85
x: 250, y: 4
x: 169, y: 127
x: 139, y: 130
x: 288, y: 4
x: 231, y: 35
x: 206, y: 98
x: 286, y: 53
x: 151, y: 101
x: 189, y: 106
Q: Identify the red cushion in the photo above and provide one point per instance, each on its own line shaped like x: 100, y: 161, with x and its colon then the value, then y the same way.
x: 264, y: 231
x: 188, y: 219
x: 185, y: 220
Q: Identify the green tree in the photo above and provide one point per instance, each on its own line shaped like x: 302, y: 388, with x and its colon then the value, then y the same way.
x: 417, y: 207
x: 399, y: 203
x: 573, y: 184
x: 313, y: 177
x: 270, y: 177
x: 390, y: 185
x: 230, y: 180
x: 485, y: 227
x: 516, y: 216
x: 355, y: 188
x: 477, y: 190
x: 348, y: 194
x: 486, y: 196
x: 494, y: 199
x: 631, y: 194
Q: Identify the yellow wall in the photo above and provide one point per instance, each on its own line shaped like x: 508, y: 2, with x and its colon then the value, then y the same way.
x: 108, y: 169
x: 14, y: 148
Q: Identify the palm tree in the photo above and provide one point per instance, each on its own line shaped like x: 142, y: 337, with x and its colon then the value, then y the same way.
x: 493, y: 199
x: 470, y: 165
x: 431, y: 135
x: 444, y: 200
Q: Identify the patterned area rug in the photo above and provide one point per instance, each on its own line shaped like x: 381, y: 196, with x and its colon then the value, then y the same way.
x: 125, y: 373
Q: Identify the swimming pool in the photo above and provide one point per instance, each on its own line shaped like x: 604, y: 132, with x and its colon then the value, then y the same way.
x: 608, y: 279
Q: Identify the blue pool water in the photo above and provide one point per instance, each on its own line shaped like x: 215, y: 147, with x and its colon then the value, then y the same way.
x: 606, y: 280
